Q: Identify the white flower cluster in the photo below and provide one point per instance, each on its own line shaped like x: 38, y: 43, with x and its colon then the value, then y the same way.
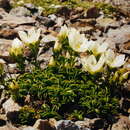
x: 101, y: 54
x: 27, y: 38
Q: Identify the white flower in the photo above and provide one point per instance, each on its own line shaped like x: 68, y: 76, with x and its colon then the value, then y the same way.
x: 32, y: 36
x: 98, y: 48
x: 91, y: 65
x: 17, y: 47
x: 77, y: 41
x: 113, y: 60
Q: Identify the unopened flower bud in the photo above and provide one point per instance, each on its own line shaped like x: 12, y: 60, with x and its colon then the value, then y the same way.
x: 57, y: 46
x: 52, y: 61
x: 67, y: 55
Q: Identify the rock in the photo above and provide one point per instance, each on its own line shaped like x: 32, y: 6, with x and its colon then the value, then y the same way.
x: 48, y: 38
x: 84, y: 23
x: 96, y: 123
x: 5, y: 4
x: 77, y: 10
x: 106, y: 23
x: 86, y: 30
x: 10, y: 106
x: 47, y: 22
x: 44, y: 57
x: 66, y: 125
x: 2, y: 13
x: 11, y: 110
x: 125, y: 48
x: 83, y: 124
x: 2, y: 122
x: 64, y: 11
x: 122, y: 124
x: 8, y: 128
x: 2, y: 61
x: 30, y: 6
x: 123, y: 5
x: 3, y: 98
x: 52, y: 17
x: 4, y: 50
x: 93, y: 12
x: 8, y: 33
x: 60, y: 21
x: 118, y: 36
x: 12, y: 68
x: 35, y: 11
x: 125, y: 104
x: 20, y: 11
x: 28, y: 128
x: 44, y: 125
x: 9, y: 20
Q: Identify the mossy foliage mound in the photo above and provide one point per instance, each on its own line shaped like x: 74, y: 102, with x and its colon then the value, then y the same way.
x: 64, y: 93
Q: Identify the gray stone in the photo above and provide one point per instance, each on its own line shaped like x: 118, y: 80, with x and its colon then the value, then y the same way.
x: 4, y: 50
x: 30, y: 6
x: 122, y: 124
x: 64, y: 11
x: 14, y: 21
x: 60, y: 21
x: 96, y: 123
x: 106, y: 23
x: 6, y: 127
x: 12, y: 68
x: 118, y: 36
x: 66, y: 125
x: 44, y: 125
x: 28, y: 128
x: 8, y: 33
x: 35, y: 11
x: 123, y: 5
x: 10, y: 106
x: 44, y: 58
x: 3, y: 97
x: 20, y: 11
x: 52, y: 17
x: 3, y: 12
x: 47, y: 22
x: 48, y: 38
x: 93, y: 12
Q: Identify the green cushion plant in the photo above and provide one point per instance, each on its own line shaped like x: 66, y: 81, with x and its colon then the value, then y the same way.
x: 68, y: 89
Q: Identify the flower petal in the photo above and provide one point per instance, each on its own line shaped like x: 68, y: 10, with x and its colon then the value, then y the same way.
x: 17, y: 43
x: 118, y: 61
x: 110, y: 55
x: 23, y: 36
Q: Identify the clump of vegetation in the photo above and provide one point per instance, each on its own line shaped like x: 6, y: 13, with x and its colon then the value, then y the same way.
x: 27, y: 116
x: 51, y: 6
x: 83, y: 76
x: 54, y: 89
